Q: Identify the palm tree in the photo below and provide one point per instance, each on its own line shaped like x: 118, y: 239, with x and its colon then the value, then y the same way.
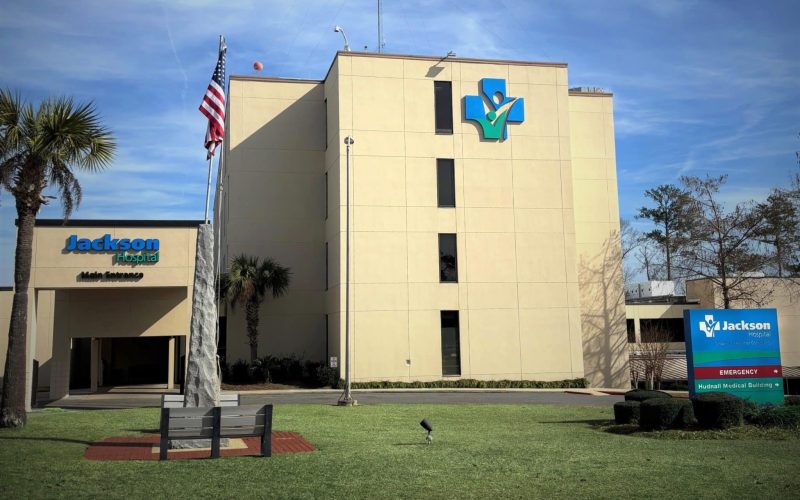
x: 40, y: 148
x: 247, y: 283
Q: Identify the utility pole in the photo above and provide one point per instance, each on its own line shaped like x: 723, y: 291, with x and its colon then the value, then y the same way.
x: 346, y: 399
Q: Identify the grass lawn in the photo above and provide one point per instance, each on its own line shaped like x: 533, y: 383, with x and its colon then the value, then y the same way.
x: 482, y: 451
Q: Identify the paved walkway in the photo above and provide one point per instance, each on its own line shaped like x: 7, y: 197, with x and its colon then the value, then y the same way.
x: 364, y: 397
x: 147, y: 447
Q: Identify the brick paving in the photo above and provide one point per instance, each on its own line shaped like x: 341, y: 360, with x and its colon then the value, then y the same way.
x: 146, y: 448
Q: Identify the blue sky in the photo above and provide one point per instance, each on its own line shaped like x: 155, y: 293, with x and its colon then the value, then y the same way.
x: 700, y: 86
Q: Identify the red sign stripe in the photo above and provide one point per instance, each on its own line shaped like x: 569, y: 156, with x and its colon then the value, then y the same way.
x: 761, y: 371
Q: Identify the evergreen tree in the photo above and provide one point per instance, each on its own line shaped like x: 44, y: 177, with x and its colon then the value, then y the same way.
x: 670, y: 218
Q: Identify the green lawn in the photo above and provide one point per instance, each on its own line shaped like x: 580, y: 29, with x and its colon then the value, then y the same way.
x: 482, y: 451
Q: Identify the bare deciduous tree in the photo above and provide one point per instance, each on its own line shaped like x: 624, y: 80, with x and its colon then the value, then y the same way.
x: 722, y: 245
x: 648, y: 358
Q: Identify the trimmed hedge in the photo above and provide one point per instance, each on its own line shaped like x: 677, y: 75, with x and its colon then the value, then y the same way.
x: 665, y: 413
x: 286, y: 370
x: 791, y: 400
x: 787, y: 417
x: 643, y: 395
x: 467, y: 383
x: 718, y: 410
x: 626, y: 412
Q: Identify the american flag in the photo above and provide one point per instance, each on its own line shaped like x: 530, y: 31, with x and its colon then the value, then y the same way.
x: 213, y: 105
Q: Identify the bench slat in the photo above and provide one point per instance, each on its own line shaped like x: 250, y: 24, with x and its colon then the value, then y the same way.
x: 243, y: 410
x: 190, y: 423
x: 176, y: 400
x: 190, y: 412
x: 242, y: 421
x: 191, y: 433
x: 257, y: 430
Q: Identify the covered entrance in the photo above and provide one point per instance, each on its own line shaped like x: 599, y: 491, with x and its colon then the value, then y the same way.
x: 122, y: 337
x: 124, y: 361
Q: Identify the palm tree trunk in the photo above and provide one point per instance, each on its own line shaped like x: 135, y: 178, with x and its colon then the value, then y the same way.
x: 251, y: 317
x: 12, y: 410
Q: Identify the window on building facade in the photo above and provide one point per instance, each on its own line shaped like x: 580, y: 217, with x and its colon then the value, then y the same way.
x: 443, y: 101
x: 326, y: 265
x: 629, y: 323
x: 326, y: 195
x: 451, y: 344
x: 326, y: 124
x: 672, y: 327
x: 448, y: 259
x: 446, y: 182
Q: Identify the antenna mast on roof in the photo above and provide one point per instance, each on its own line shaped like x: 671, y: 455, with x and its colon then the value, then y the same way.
x: 380, y: 27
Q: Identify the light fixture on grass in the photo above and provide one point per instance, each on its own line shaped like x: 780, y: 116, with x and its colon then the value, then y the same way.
x: 428, y: 427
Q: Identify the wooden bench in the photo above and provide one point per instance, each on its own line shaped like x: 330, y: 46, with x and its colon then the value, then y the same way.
x: 216, y: 423
x: 176, y: 400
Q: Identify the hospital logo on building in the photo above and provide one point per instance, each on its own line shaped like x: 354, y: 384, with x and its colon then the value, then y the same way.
x: 126, y: 250
x: 494, y: 110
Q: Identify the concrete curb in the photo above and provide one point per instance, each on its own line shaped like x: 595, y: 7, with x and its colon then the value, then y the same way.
x: 586, y: 392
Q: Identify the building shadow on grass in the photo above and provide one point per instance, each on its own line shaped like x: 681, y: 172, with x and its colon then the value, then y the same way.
x: 624, y: 430
x: 588, y: 422
x: 75, y: 441
x: 604, y: 425
x: 34, y: 438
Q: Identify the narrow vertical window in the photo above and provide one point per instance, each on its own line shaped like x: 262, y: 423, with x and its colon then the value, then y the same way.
x: 326, y: 195
x: 631, y: 327
x: 446, y: 182
x: 326, y: 265
x: 326, y: 124
x: 443, y: 101
x: 451, y: 344
x: 448, y: 259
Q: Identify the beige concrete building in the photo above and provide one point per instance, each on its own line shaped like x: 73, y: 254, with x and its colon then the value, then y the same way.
x: 475, y: 252
x: 110, y: 303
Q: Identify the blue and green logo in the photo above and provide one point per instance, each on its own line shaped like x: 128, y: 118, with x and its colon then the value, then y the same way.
x: 501, y: 109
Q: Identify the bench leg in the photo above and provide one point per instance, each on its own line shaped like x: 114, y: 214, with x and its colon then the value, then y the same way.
x: 215, y: 436
x: 266, y: 439
x: 162, y: 451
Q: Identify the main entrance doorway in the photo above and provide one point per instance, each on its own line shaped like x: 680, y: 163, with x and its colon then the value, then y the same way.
x: 123, y: 361
x: 134, y: 361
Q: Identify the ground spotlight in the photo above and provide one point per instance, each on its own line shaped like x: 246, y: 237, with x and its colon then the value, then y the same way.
x: 428, y: 427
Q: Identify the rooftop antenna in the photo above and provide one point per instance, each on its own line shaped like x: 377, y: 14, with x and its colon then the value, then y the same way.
x: 338, y: 29
x: 380, y: 27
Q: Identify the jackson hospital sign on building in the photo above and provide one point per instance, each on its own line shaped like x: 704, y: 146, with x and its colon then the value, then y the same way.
x: 484, y: 232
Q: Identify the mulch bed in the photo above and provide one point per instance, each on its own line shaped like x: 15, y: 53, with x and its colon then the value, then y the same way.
x: 146, y: 448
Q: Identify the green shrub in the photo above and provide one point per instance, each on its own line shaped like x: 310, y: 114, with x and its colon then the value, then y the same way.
x: 787, y: 417
x: 626, y: 412
x: 718, y: 410
x: 791, y: 400
x: 665, y: 413
x: 240, y: 372
x: 325, y: 376
x: 643, y: 395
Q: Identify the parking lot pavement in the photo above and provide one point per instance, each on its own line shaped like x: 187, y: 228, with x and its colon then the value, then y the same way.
x: 110, y: 401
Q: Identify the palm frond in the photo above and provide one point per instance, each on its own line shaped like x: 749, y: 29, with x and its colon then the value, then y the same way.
x: 44, y: 146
